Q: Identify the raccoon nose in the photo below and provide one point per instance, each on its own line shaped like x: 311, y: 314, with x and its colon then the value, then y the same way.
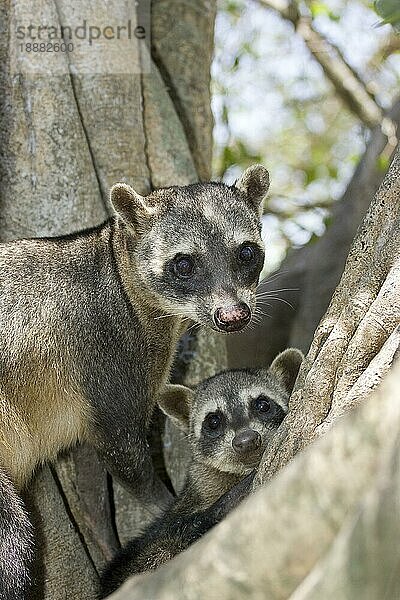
x: 246, y: 441
x: 232, y: 318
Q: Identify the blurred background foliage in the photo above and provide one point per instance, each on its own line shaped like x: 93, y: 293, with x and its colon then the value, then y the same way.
x: 273, y: 102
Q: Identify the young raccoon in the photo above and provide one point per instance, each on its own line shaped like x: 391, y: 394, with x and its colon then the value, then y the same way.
x: 229, y: 422
x: 89, y: 323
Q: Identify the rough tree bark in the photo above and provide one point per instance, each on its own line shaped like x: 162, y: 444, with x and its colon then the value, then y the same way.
x: 63, y: 141
x: 355, y: 342
x: 327, y: 525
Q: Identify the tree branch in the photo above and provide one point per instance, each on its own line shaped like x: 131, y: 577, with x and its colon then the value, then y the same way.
x: 389, y: 46
x: 347, y: 83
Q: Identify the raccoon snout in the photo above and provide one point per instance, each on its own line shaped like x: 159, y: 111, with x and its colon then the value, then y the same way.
x: 246, y: 441
x: 232, y: 318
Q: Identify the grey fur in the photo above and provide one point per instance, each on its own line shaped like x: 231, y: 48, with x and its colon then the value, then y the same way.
x: 86, y: 340
x: 214, y: 484
x: 254, y: 183
x: 16, y: 543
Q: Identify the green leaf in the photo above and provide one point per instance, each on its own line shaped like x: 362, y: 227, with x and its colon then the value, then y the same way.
x: 354, y: 158
x: 333, y: 171
x: 233, y: 8
x: 382, y: 163
x: 389, y: 10
x: 328, y: 220
x: 314, y: 238
x: 320, y: 8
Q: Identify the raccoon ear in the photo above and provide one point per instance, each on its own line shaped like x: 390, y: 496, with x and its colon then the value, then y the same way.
x: 133, y: 208
x: 285, y: 367
x: 175, y: 401
x: 254, y: 184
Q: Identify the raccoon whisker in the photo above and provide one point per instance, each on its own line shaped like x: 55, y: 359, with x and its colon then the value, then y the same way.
x: 253, y: 325
x: 186, y: 319
x: 258, y: 316
x: 266, y: 292
x: 186, y: 437
x: 168, y: 315
x: 263, y: 314
x: 267, y: 296
x: 255, y: 322
x: 269, y: 292
x: 193, y: 327
x: 263, y: 301
x: 274, y: 276
x: 282, y: 300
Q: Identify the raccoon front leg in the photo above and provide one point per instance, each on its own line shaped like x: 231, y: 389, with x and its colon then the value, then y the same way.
x: 169, y: 535
x: 230, y: 500
x: 120, y: 398
x: 16, y: 543
x: 187, y: 529
x: 122, y: 445
x: 136, y: 471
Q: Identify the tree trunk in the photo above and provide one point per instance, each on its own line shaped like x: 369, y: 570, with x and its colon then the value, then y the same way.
x: 64, y: 140
x: 355, y: 342
x: 326, y: 525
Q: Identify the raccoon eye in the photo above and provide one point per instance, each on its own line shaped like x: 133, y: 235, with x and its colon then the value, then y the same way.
x: 262, y: 404
x: 183, y: 266
x: 213, y: 420
x: 246, y: 253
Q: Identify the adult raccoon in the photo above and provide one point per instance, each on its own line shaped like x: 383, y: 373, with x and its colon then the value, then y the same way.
x: 89, y: 324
